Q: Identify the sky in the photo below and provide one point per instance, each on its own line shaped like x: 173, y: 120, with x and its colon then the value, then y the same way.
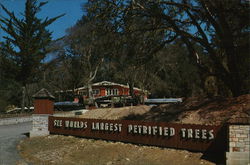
x: 72, y: 9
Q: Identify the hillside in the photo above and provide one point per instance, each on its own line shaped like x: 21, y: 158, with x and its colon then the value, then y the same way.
x: 193, y: 110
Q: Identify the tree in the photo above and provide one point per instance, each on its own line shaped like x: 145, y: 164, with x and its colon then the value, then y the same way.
x: 27, y: 42
x: 85, y: 44
x: 136, y: 40
x: 131, y: 50
x: 221, y: 28
x: 176, y: 76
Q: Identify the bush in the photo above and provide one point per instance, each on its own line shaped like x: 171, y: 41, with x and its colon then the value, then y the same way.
x: 3, y: 105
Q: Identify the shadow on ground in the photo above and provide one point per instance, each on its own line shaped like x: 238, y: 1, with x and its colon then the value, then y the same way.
x: 196, y: 110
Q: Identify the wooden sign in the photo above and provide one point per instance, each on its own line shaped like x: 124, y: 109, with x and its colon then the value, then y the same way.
x: 183, y: 136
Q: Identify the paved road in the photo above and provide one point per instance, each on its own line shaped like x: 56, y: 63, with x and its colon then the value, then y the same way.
x: 10, y: 135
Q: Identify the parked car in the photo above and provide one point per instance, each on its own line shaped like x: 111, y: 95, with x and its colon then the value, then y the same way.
x: 15, y: 110
x: 158, y: 101
x: 67, y: 106
x: 116, y: 100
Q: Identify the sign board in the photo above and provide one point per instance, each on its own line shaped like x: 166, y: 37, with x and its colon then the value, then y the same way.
x: 172, y: 135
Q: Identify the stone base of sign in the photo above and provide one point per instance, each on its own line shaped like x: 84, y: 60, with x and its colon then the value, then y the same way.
x: 238, y: 158
x: 239, y: 145
x: 39, y: 125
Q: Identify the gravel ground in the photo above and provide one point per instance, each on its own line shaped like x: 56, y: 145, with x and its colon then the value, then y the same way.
x: 68, y: 150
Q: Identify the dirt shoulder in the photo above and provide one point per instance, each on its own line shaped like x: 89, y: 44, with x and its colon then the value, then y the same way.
x: 67, y: 150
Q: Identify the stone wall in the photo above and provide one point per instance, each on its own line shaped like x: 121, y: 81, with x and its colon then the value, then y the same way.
x: 39, y: 125
x: 239, y: 138
x: 239, y: 145
x: 15, y: 120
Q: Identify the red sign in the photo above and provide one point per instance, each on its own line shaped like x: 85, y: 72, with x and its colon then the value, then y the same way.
x: 182, y: 136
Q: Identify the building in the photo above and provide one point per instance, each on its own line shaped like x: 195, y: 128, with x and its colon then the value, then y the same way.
x: 106, y: 88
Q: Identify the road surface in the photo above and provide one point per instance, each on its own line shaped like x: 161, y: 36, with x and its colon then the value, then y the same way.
x: 10, y: 135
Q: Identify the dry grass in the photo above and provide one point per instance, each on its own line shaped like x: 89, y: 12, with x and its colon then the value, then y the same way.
x: 116, y: 113
x: 68, y: 150
x: 216, y: 110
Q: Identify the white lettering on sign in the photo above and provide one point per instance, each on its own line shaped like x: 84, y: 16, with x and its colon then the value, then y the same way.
x: 160, y: 131
x: 190, y: 133
x: 165, y: 131
x: 154, y: 128
x: 204, y: 134
x: 76, y: 124
x: 151, y: 130
x: 58, y: 123
x: 112, y: 127
x: 183, y: 132
x: 135, y: 129
x: 172, y: 131
x: 144, y: 130
x: 211, y: 134
x: 139, y: 129
x: 197, y: 134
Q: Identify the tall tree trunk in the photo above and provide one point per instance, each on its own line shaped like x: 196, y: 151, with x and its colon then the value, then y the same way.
x: 142, y: 96
x: 28, y: 103
x: 234, y: 84
x: 90, y: 93
x: 131, y: 89
x: 92, y: 76
x: 23, y: 99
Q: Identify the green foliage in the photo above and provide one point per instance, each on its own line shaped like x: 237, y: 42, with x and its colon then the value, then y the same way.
x: 25, y: 46
x: 10, y: 93
x: 27, y: 42
x: 173, y: 48
x: 220, y: 28
x: 3, y: 105
x: 215, y: 34
x: 174, y: 75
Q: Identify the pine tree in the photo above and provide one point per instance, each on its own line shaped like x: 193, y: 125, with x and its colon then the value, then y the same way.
x: 27, y: 42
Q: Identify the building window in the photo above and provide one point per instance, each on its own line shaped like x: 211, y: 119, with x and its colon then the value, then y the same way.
x: 111, y: 92
x: 82, y: 93
x: 96, y: 91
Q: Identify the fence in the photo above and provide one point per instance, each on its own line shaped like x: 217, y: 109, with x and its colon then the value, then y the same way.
x: 15, y: 120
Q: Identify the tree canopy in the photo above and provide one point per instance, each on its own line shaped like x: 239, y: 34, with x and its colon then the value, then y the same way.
x: 173, y: 48
x: 221, y: 28
x: 27, y: 41
x: 215, y: 33
x: 26, y: 44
